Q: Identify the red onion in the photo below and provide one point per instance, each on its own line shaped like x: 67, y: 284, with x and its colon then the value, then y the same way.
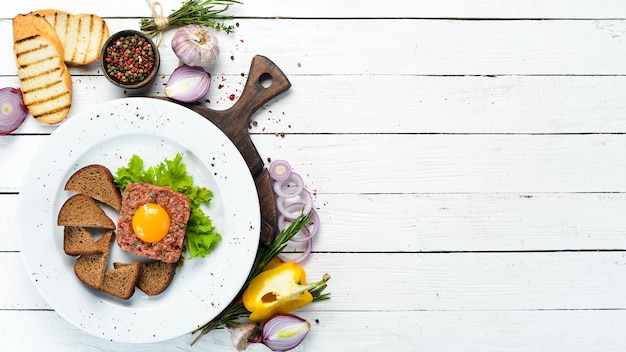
x: 188, y: 84
x: 13, y: 110
x: 292, y: 200
x: 308, y: 231
x: 303, y: 198
x: 286, y: 257
x: 279, y: 170
x: 290, y: 186
x: 284, y: 332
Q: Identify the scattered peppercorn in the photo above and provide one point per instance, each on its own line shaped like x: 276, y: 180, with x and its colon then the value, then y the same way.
x: 129, y: 59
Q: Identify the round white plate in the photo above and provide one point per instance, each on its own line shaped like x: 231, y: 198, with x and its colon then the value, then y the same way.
x: 109, y: 134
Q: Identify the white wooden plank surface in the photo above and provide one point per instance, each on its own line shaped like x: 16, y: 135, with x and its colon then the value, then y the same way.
x: 469, y: 9
x: 428, y: 47
x: 431, y: 281
x: 467, y: 162
x: 424, y: 163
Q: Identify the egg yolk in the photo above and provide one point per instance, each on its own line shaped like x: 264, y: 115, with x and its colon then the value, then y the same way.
x: 151, y: 222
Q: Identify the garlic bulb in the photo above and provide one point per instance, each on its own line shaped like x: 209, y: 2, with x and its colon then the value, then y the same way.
x: 195, y: 45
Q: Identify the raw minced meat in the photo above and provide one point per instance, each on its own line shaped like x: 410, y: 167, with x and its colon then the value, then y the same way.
x: 177, y: 206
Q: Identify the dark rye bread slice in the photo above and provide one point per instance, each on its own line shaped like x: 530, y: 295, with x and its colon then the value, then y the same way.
x: 78, y: 240
x: 82, y: 210
x: 90, y: 269
x: 154, y: 277
x: 120, y: 282
x: 96, y: 181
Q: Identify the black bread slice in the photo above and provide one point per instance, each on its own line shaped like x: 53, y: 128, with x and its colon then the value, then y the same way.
x: 82, y: 210
x: 154, y: 277
x: 90, y: 269
x: 120, y: 282
x: 95, y: 181
x: 79, y: 241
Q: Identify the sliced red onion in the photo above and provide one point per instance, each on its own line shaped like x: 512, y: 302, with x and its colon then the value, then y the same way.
x: 286, y: 256
x: 293, y: 206
x: 284, y: 332
x: 279, y: 170
x: 13, y: 111
x: 309, y: 231
x: 289, y: 187
x: 188, y: 84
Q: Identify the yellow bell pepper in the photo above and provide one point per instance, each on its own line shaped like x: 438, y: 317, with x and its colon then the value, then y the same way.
x: 278, y: 290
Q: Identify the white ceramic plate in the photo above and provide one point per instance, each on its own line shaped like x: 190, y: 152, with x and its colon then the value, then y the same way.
x: 109, y: 134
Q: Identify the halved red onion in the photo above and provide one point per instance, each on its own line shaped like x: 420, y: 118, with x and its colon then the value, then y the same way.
x: 188, y: 84
x: 13, y: 111
x: 279, y: 170
x: 284, y: 332
x: 290, y: 186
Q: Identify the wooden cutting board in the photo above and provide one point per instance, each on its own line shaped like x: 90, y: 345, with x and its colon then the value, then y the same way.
x: 265, y: 82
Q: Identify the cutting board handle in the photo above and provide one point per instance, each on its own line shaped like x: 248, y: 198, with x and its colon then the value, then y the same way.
x: 265, y: 82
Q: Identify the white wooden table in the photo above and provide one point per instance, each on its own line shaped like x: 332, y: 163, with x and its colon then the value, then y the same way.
x: 468, y: 159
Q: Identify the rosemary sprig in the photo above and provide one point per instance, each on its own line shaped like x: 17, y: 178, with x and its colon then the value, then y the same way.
x: 264, y: 256
x: 202, y: 12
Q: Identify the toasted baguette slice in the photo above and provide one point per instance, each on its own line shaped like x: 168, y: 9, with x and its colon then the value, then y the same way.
x: 90, y: 269
x: 120, y: 282
x: 82, y: 36
x: 95, y: 181
x: 79, y: 241
x: 82, y: 210
x: 44, y: 77
x: 154, y: 277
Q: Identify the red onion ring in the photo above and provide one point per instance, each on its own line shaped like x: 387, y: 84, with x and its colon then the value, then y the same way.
x: 289, y: 206
x: 290, y: 186
x: 285, y: 257
x: 279, y: 170
x: 308, y: 231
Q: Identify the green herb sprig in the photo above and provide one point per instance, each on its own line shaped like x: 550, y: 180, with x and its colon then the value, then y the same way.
x: 207, y: 13
x: 264, y: 256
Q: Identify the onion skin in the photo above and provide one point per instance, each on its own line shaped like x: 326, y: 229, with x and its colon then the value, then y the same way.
x: 195, y: 45
x: 188, y: 84
x: 13, y: 112
x: 284, y: 332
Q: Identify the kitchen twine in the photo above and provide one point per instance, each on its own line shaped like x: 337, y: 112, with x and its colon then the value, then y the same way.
x: 160, y: 20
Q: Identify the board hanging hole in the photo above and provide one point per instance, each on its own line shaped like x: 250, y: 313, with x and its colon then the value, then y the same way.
x: 266, y: 80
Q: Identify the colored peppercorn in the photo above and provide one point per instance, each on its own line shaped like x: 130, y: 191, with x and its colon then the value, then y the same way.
x: 129, y: 59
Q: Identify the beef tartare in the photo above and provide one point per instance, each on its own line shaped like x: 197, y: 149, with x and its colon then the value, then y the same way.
x: 177, y: 206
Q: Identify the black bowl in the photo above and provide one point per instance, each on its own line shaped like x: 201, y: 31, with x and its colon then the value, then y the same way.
x: 130, y: 59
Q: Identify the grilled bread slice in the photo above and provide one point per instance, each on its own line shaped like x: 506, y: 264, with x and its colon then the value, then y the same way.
x: 82, y: 210
x: 45, y: 79
x: 82, y: 36
x: 95, y: 181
